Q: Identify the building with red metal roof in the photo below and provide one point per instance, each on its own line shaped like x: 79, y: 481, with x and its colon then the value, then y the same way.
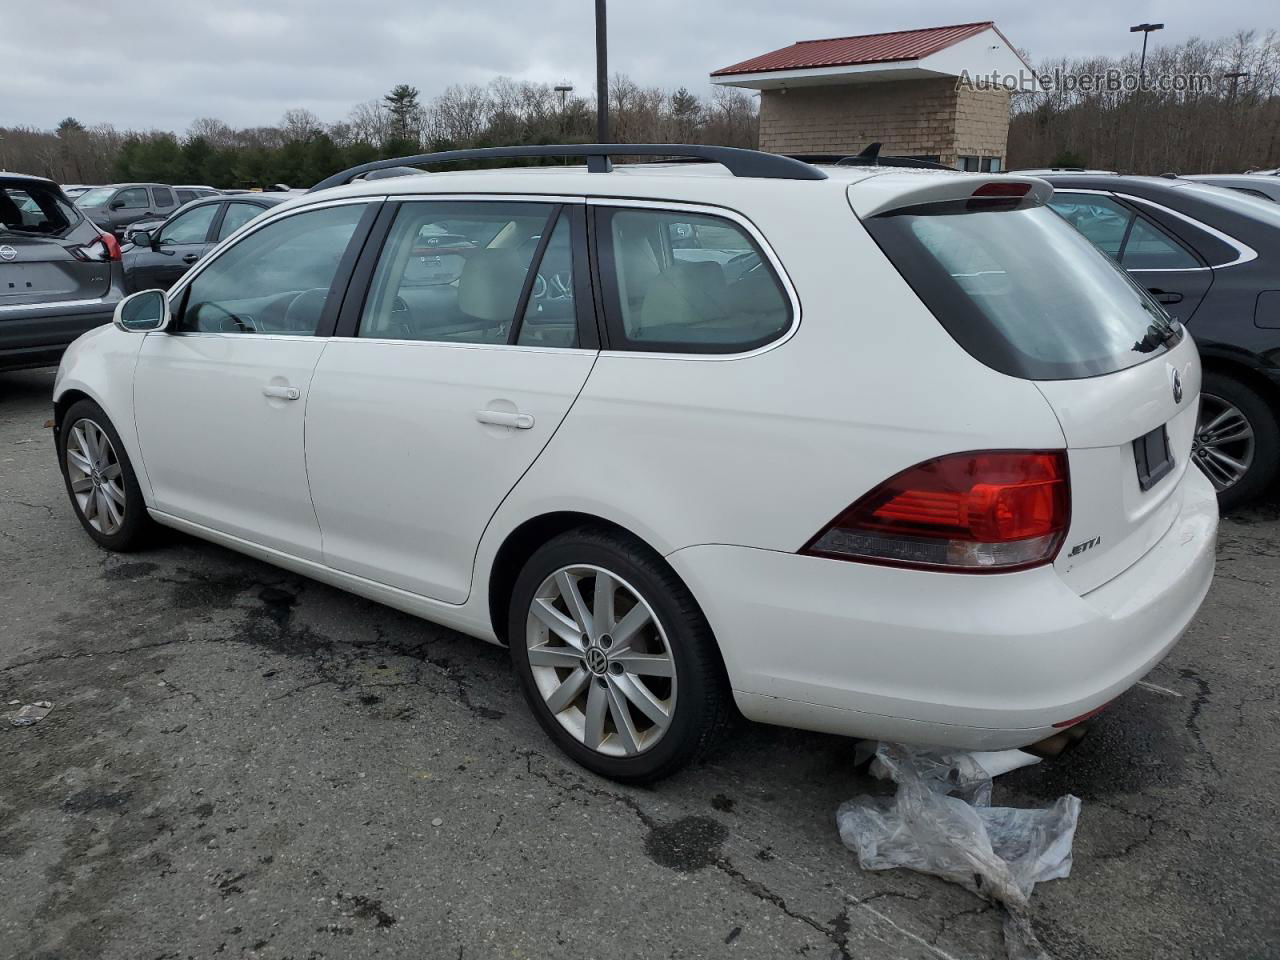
x: 939, y: 93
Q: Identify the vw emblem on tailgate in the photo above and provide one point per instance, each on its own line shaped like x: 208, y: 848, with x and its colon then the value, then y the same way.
x: 1177, y: 387
x: 8, y: 253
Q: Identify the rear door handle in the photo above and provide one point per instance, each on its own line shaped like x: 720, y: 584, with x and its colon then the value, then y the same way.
x: 281, y: 393
x: 501, y: 418
x: 191, y: 258
x: 1165, y: 296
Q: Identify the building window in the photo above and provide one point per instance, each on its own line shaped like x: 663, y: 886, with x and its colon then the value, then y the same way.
x: 979, y: 164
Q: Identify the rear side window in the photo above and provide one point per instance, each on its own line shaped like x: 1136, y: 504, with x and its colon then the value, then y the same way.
x: 1023, y: 291
x: 1121, y: 233
x: 677, y: 282
x: 237, y: 215
x: 456, y: 271
x: 35, y: 210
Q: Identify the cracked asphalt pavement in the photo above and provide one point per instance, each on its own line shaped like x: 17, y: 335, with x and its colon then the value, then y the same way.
x: 244, y: 763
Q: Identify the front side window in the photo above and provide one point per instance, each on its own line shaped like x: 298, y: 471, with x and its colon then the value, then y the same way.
x: 189, y: 227
x: 686, y: 283
x: 277, y: 280
x: 135, y: 198
x: 237, y: 215
x: 455, y: 271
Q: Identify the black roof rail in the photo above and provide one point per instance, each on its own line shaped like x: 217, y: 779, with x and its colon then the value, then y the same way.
x: 869, y: 157
x: 739, y: 162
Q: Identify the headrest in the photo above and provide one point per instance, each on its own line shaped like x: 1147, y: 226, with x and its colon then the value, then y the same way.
x: 490, y: 285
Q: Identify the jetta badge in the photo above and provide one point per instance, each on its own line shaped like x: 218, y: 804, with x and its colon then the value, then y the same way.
x: 1177, y: 387
x: 8, y: 253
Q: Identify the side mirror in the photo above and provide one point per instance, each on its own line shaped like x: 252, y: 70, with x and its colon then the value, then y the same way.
x: 142, y: 238
x: 143, y: 312
x: 116, y: 205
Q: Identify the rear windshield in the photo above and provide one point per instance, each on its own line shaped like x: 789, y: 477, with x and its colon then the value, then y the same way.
x: 32, y: 209
x: 1023, y: 291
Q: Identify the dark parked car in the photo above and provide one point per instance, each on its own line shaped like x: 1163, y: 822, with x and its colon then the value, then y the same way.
x: 1253, y: 184
x: 118, y: 205
x: 1212, y: 258
x: 60, y: 274
x: 158, y: 257
x: 187, y: 192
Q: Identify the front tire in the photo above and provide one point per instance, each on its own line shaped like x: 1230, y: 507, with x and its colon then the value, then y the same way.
x: 100, y: 479
x: 1237, y: 442
x: 615, y: 658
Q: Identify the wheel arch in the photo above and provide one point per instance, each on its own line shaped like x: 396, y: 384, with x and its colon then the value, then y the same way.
x: 521, y: 543
x: 1250, y: 376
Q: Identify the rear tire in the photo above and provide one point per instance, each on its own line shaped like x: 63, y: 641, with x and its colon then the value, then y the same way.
x: 1218, y: 453
x: 100, y: 479
x: 631, y: 687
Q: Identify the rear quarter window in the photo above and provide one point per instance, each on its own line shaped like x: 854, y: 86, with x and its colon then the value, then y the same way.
x: 680, y: 282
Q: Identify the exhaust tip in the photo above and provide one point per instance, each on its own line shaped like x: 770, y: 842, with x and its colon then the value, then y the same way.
x: 1059, y: 743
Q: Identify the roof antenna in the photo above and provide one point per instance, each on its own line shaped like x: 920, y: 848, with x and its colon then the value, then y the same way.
x: 872, y: 152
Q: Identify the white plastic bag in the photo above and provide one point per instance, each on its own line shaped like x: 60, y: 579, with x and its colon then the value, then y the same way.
x: 941, y: 822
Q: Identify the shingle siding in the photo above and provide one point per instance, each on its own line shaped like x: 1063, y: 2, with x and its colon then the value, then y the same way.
x: 910, y: 117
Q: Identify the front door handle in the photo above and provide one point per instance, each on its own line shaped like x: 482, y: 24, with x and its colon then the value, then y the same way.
x: 501, y: 418
x: 191, y: 258
x: 281, y: 393
x: 1165, y: 296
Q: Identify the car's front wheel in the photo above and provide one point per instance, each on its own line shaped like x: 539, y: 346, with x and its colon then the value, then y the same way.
x: 100, y: 479
x: 1237, y: 441
x: 615, y: 658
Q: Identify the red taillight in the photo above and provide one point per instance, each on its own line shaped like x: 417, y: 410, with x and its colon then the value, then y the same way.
x: 1003, y: 188
x: 970, y: 512
x: 111, y: 245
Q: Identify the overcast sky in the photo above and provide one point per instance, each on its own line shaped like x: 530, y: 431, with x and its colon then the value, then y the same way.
x: 162, y: 63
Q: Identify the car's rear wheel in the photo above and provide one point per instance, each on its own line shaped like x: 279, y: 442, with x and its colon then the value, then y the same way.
x: 100, y: 479
x: 615, y: 658
x: 1237, y: 441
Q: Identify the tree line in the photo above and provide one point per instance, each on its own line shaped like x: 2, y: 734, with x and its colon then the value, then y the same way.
x: 1230, y: 127
x: 302, y: 149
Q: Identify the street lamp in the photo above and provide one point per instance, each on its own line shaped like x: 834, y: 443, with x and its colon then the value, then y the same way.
x: 1235, y: 78
x: 1146, y: 29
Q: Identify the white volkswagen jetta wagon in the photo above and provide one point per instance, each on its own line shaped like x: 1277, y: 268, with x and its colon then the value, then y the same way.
x: 883, y: 452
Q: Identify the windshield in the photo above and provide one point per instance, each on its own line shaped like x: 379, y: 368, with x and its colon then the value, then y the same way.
x: 95, y: 197
x: 34, y: 209
x: 1023, y: 291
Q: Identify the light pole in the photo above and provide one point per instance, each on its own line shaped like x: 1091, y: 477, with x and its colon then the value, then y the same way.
x: 602, y: 75
x: 1146, y: 29
x: 1235, y: 78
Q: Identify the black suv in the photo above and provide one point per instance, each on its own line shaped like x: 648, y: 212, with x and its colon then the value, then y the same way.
x: 1212, y: 257
x: 159, y: 256
x: 60, y: 275
x: 116, y: 206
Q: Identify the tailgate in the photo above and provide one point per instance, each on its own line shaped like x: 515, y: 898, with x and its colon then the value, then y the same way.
x: 1114, y: 520
x: 43, y: 270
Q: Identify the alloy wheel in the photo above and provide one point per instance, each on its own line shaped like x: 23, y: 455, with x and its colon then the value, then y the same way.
x: 601, y: 660
x: 97, y: 482
x: 1223, y: 447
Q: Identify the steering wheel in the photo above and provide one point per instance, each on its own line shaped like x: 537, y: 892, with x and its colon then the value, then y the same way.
x: 744, y: 258
x: 558, y: 287
x: 240, y: 324
x: 303, y: 312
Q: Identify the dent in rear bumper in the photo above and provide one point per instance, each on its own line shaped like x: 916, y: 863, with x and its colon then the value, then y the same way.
x: 973, y: 661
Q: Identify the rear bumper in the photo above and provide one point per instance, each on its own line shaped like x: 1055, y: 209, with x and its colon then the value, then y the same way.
x: 37, y: 335
x: 976, y: 662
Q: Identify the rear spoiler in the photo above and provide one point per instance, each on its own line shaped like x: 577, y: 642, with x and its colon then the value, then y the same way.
x: 890, y: 191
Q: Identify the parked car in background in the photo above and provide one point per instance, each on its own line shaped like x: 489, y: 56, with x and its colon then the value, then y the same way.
x: 1267, y: 188
x: 60, y: 275
x: 631, y: 426
x: 73, y: 191
x: 1212, y: 258
x: 118, y: 205
x: 159, y: 256
x: 188, y: 192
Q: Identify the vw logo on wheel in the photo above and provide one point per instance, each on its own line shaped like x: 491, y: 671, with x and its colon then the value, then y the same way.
x: 597, y: 661
x: 8, y: 253
x: 1177, y: 387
